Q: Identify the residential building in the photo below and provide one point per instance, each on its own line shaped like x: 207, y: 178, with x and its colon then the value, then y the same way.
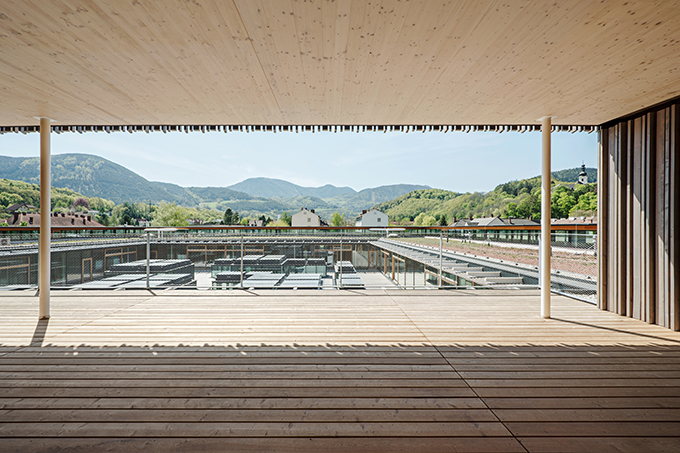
x: 372, y: 218
x: 305, y: 218
x: 58, y: 219
x: 493, y: 221
x: 575, y: 221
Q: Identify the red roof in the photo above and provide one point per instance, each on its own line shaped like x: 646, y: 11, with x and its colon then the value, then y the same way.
x: 58, y: 219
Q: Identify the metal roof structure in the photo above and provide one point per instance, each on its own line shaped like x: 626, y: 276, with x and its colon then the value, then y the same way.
x: 242, y: 64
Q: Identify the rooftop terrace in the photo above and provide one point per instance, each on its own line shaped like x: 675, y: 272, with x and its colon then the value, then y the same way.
x: 332, y: 371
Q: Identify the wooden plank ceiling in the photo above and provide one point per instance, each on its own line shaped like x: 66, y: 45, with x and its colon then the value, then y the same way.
x: 361, y: 62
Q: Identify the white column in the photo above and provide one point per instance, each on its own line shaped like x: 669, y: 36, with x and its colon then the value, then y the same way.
x: 241, y: 259
x: 45, y: 219
x: 148, y: 258
x: 546, y: 126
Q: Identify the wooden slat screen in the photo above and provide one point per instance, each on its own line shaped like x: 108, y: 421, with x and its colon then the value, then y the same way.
x: 639, y: 216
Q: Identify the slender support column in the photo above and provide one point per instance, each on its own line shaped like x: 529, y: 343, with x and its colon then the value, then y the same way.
x: 45, y: 259
x: 148, y: 258
x: 545, y: 219
x: 241, y: 259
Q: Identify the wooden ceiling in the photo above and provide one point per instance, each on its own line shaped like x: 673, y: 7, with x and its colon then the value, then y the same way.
x: 359, y: 62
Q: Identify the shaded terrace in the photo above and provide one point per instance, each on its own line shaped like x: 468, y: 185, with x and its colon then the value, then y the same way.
x: 375, y: 371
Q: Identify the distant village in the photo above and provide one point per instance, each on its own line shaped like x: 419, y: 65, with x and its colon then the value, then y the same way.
x: 26, y: 215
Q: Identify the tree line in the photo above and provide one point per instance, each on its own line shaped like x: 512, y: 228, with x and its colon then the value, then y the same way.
x: 519, y: 199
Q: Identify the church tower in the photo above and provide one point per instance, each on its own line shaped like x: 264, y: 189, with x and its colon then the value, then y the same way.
x: 583, y: 176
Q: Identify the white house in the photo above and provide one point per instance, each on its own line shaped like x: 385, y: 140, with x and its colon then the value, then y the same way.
x: 304, y: 218
x: 372, y: 218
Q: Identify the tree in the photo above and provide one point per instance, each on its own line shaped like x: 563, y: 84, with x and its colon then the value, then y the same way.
x: 228, y: 216
x: 100, y: 204
x: 103, y: 219
x: 81, y: 202
x: 561, y: 202
x: 170, y: 215
x: 287, y: 219
x: 235, y: 218
x: 587, y: 205
x: 442, y: 220
x: 127, y: 213
x: 529, y: 207
x: 338, y: 219
x: 424, y: 220
x: 429, y: 221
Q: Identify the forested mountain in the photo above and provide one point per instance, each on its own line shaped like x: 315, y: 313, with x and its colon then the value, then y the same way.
x: 515, y: 199
x: 215, y: 194
x: 94, y: 176
x: 366, y: 198
x: 278, y: 188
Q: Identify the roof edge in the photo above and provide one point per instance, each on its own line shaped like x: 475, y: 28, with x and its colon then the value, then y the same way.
x: 500, y: 128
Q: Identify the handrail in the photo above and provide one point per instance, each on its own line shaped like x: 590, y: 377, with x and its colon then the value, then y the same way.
x: 140, y: 229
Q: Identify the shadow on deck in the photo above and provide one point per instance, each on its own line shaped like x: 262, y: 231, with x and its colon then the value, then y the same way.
x: 400, y: 371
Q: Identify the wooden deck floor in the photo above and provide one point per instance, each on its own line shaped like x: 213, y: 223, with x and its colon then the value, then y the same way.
x: 297, y: 371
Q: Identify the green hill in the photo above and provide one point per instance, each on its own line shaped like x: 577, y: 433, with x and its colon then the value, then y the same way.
x: 356, y: 202
x: 92, y: 176
x: 180, y: 194
x: 515, y: 199
x: 571, y: 174
x: 216, y: 194
x: 15, y: 192
x: 96, y: 176
x: 408, y: 206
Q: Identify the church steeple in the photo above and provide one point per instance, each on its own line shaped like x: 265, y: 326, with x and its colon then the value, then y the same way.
x: 583, y: 176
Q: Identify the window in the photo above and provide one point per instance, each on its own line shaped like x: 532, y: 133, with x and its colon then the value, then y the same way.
x: 379, y: 220
x: 309, y: 219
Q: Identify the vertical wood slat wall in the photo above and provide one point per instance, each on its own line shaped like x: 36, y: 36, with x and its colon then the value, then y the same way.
x: 639, y: 216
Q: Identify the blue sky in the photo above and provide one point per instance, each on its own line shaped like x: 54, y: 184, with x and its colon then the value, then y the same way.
x: 477, y: 161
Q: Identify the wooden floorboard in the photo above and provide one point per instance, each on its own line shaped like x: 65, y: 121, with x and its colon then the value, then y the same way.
x: 347, y: 371
x: 387, y: 444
